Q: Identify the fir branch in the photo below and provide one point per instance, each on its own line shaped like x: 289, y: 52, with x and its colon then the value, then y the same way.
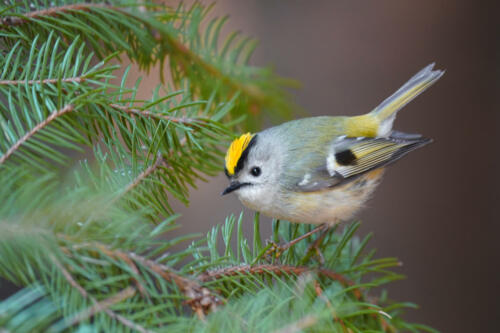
x: 67, y: 275
x: 54, y: 115
x: 143, y: 175
x: 78, y: 79
x: 277, y: 270
x: 299, y: 326
x: 11, y: 21
x: 102, y: 305
x: 160, y: 160
x: 321, y: 295
x: 148, y: 114
x: 188, y: 57
x: 187, y: 54
x: 198, y: 296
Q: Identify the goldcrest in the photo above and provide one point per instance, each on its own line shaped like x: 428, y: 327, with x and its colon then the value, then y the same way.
x: 322, y: 169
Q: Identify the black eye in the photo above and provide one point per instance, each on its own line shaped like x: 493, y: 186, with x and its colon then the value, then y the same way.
x: 255, y: 171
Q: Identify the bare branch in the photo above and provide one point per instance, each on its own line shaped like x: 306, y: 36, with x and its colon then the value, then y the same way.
x: 34, y: 130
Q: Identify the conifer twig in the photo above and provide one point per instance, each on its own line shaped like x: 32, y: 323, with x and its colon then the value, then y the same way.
x: 102, y: 305
x: 77, y: 79
x: 319, y: 293
x: 276, y: 269
x: 67, y: 275
x: 187, y: 58
x: 299, y: 325
x: 11, y: 21
x: 143, y: 175
x: 178, y: 120
x: 146, y: 173
x: 191, y: 57
x: 199, y: 297
x: 34, y: 130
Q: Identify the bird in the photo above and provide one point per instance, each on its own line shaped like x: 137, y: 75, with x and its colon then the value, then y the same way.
x: 322, y: 170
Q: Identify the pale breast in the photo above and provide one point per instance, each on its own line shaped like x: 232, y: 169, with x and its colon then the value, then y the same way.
x: 330, y: 206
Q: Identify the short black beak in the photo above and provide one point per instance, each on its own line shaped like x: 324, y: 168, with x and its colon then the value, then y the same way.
x: 233, y: 187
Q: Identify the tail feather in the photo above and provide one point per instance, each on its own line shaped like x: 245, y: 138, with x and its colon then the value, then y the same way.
x: 386, y: 111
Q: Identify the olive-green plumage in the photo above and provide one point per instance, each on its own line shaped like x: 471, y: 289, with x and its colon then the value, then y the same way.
x: 323, y: 169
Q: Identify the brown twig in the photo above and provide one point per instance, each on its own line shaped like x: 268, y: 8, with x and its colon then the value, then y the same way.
x: 178, y: 120
x: 276, y: 269
x: 34, y: 130
x: 10, y: 21
x: 78, y: 79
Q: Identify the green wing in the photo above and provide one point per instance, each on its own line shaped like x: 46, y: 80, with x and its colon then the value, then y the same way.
x: 348, y: 158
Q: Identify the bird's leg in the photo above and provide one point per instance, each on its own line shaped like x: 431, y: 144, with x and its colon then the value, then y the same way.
x: 317, y: 243
x: 279, y: 249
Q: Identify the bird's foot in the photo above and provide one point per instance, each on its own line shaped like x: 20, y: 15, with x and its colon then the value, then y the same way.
x: 277, y: 250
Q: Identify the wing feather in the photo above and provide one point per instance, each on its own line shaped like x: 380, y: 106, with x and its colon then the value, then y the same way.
x: 368, y: 154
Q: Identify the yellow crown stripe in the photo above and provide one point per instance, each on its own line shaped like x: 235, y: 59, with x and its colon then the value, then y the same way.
x: 235, y: 150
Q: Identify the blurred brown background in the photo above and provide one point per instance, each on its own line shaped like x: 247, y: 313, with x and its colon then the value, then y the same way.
x: 436, y: 209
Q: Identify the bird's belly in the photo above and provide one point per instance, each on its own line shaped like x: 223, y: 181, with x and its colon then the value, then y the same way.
x: 328, y: 206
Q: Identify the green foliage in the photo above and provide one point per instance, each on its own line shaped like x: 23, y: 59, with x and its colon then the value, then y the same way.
x: 88, y: 172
